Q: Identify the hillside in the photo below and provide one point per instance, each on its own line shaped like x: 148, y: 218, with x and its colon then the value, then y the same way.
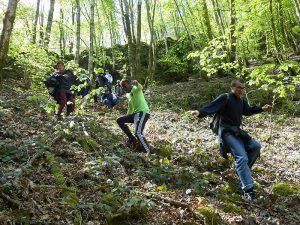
x: 78, y: 171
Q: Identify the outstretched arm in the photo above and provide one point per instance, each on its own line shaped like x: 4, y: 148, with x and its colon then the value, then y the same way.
x: 251, y: 110
x: 214, y: 107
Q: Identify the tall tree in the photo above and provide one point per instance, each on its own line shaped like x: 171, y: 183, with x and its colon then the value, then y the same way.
x: 41, y: 21
x: 207, y: 21
x: 49, y: 24
x: 37, y: 13
x: 131, y: 50
x: 232, y: 40
x: 273, y: 29
x: 138, y: 38
x: 185, y: 27
x: 8, y: 23
x: 77, y: 51
x: 297, y: 9
x: 152, y: 54
x: 62, y: 40
x: 218, y: 18
x: 92, y: 31
x: 164, y: 30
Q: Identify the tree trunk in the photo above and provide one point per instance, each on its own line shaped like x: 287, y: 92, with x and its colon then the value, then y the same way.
x: 291, y: 36
x: 207, y: 21
x: 193, y: 17
x: 109, y: 18
x: 218, y: 18
x: 49, y: 24
x: 138, y: 38
x: 92, y: 30
x: 164, y: 30
x: 71, y: 38
x: 186, y: 29
x: 152, y: 45
x: 176, y: 26
x: 37, y: 12
x: 62, y: 40
x: 297, y: 9
x: 131, y: 50
x: 232, y: 41
x: 77, y: 51
x: 41, y: 19
x: 273, y: 28
x: 132, y: 20
x: 220, y: 5
x: 8, y: 23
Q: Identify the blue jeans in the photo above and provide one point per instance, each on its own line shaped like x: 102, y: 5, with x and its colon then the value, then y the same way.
x: 245, y: 155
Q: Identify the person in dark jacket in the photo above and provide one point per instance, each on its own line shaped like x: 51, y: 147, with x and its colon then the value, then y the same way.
x: 101, y: 81
x: 63, y: 93
x: 108, y: 98
x: 84, y: 91
x: 244, y: 149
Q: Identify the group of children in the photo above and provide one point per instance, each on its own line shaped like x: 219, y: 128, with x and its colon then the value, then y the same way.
x: 230, y: 108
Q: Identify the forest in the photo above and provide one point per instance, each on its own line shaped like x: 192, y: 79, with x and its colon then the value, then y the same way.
x: 64, y: 154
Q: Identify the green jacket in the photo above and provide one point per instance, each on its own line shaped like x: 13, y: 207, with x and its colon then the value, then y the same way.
x: 136, y: 100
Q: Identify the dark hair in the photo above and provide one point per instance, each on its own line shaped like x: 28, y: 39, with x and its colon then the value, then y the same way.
x: 234, y: 81
x: 60, y: 63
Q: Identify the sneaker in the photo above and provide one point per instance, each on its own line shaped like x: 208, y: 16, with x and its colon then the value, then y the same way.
x: 223, y: 153
x: 249, y: 196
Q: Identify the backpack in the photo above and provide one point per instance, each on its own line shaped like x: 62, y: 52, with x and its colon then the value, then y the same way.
x: 215, y: 123
x: 73, y: 79
x: 51, y: 83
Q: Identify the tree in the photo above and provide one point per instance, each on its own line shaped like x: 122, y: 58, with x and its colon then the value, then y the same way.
x: 8, y: 23
x: 152, y: 58
x: 41, y: 21
x: 77, y: 32
x: 62, y: 40
x: 232, y: 40
x: 92, y: 30
x: 186, y: 29
x: 138, y: 35
x: 37, y: 12
x: 128, y: 30
x: 49, y: 24
x: 207, y: 21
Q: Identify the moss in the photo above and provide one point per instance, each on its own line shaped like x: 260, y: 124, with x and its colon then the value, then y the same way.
x: 88, y: 143
x: 211, y: 217
x: 111, y: 200
x: 285, y: 189
x: 58, y: 175
x: 228, y: 188
x: 259, y: 169
x: 77, y: 219
x: 211, y: 177
x: 229, y: 207
x: 234, y: 197
x: 71, y: 198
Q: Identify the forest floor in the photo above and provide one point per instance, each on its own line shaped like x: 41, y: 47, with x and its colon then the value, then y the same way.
x: 78, y: 171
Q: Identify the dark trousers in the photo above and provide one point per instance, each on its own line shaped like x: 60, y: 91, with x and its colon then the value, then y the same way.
x: 62, y: 99
x: 139, y: 120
